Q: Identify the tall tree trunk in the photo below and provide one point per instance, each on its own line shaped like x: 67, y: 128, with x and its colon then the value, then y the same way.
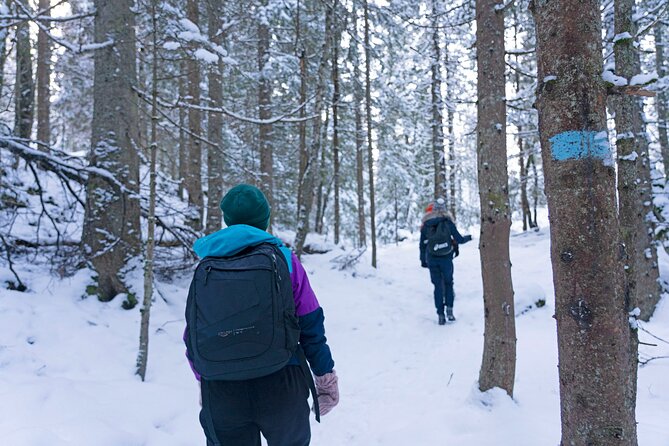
x: 437, y: 124
x: 183, y: 140
x: 634, y: 184
x: 24, y: 88
x: 302, y: 130
x: 524, y: 202
x: 311, y: 163
x: 359, y: 136
x: 661, y: 98
x: 4, y: 31
x: 499, y: 349
x: 321, y: 198
x: 450, y: 117
x: 531, y: 161
x: 524, y: 199
x: 335, y: 120
x: 370, y: 154
x: 143, y: 354
x: 111, y: 233
x: 194, y: 171
x: 43, y: 79
x: 594, y: 336
x: 215, y: 123
x: 264, y: 105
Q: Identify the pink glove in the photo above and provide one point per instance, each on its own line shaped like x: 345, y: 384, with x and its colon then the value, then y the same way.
x: 328, y: 391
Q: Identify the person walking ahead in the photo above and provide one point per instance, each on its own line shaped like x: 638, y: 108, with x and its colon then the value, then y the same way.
x: 439, y: 244
x: 253, y: 322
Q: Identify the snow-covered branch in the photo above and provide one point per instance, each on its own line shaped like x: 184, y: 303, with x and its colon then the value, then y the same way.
x: 75, y: 48
x: 285, y: 117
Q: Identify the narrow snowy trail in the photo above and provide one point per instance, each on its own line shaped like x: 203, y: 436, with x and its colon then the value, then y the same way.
x: 407, y: 380
x: 67, y: 364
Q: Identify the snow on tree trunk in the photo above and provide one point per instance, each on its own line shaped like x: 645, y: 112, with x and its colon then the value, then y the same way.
x: 594, y: 336
x: 450, y: 118
x: 335, y: 120
x: 111, y: 233
x: 43, y: 79
x: 24, y: 87
x: 193, y: 181
x: 4, y: 31
x: 215, y: 124
x: 183, y: 140
x: 359, y: 137
x: 661, y: 98
x: 499, y: 348
x: 634, y: 184
x: 143, y: 354
x: 311, y: 167
x: 437, y: 103
x: 265, y: 133
x: 370, y: 153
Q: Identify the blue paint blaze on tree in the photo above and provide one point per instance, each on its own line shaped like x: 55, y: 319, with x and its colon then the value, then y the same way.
x: 576, y: 145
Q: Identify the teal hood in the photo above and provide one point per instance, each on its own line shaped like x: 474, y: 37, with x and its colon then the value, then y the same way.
x: 233, y: 239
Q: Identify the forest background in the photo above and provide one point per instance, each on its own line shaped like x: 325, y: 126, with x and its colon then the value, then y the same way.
x: 122, y: 123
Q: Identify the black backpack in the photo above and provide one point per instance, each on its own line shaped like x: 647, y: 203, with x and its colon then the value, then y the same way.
x: 241, y: 315
x: 439, y: 239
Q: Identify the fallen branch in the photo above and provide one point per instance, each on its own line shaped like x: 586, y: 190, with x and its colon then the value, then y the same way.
x: 68, y: 171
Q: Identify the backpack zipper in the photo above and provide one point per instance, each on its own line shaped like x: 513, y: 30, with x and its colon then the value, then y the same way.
x: 206, y: 276
x: 276, y: 273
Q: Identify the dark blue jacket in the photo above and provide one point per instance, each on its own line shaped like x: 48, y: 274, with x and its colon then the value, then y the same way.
x: 457, y: 238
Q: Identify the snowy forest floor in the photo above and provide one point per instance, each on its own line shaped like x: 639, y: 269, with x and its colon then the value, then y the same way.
x: 67, y: 363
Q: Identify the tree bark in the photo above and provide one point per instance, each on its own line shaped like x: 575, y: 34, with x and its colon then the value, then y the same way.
x: 499, y: 348
x: 194, y: 171
x: 335, y: 120
x: 311, y: 163
x: 215, y: 123
x: 44, y: 79
x: 370, y: 151
x: 524, y: 201
x: 634, y: 183
x: 450, y: 117
x: 4, y: 31
x: 661, y: 98
x: 302, y: 130
x: 321, y: 197
x: 359, y: 137
x: 24, y: 88
x: 183, y: 140
x: 111, y: 233
x: 265, y: 133
x: 594, y: 336
x: 437, y: 124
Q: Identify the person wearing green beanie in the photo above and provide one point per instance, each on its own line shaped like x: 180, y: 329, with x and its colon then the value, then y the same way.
x: 247, y: 205
x: 275, y: 405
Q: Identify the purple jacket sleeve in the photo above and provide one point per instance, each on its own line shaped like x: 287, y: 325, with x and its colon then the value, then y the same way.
x: 305, y: 298
x: 311, y: 320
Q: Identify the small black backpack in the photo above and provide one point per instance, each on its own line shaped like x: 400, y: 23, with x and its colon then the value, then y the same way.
x: 439, y: 239
x: 241, y: 315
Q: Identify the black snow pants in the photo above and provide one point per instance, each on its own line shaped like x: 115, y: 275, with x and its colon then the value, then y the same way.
x: 234, y: 413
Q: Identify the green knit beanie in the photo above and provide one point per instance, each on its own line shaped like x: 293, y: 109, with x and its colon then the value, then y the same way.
x: 245, y: 205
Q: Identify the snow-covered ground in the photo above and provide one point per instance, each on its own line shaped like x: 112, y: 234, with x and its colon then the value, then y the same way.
x: 67, y: 363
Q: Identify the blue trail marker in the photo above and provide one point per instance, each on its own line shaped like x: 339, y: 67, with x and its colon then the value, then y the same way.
x: 581, y: 144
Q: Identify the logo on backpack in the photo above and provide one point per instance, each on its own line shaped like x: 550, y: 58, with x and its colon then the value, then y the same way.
x: 241, y: 315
